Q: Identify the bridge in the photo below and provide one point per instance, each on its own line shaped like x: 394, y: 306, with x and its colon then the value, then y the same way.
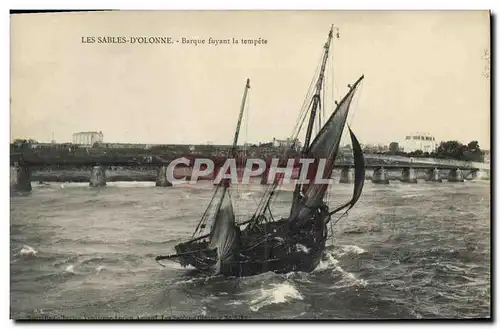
x: 103, y: 169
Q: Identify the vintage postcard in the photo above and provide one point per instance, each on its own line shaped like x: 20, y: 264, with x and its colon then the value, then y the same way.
x: 250, y: 165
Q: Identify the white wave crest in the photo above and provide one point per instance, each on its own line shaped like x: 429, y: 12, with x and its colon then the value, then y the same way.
x: 27, y: 250
x: 70, y: 269
x: 328, y: 262
x: 100, y: 268
x: 278, y: 293
x: 352, y: 249
x: 348, y: 279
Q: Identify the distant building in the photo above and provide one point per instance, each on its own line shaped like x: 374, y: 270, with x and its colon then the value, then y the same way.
x: 270, y: 144
x: 374, y: 148
x: 287, y: 143
x: 88, y: 138
x: 419, y: 141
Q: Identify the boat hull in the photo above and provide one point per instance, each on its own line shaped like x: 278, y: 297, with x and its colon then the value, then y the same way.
x: 279, y: 251
x: 298, y: 261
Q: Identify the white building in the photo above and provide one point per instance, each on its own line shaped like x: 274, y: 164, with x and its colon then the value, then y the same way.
x: 287, y: 143
x: 88, y: 138
x: 419, y: 141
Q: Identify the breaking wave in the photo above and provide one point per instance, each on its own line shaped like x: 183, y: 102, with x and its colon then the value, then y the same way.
x: 276, y: 294
x: 28, y: 251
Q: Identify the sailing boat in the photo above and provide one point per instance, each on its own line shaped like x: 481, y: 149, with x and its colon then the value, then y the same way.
x: 294, y: 243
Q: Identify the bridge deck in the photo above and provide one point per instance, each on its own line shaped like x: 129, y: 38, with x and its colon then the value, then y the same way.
x: 371, y: 161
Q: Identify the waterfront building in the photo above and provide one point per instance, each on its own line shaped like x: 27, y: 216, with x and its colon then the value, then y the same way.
x: 419, y: 141
x: 287, y: 143
x: 88, y: 138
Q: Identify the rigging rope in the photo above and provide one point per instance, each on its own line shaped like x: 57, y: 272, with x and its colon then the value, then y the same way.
x: 332, y: 224
x: 356, y: 100
x: 296, y: 134
x: 354, y: 107
x: 344, y: 214
x: 306, y: 104
x: 199, y: 228
x: 318, y: 124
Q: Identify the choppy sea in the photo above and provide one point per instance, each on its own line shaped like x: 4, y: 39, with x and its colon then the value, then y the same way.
x: 404, y: 251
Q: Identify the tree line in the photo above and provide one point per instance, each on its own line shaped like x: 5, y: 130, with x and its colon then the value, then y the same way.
x: 446, y: 150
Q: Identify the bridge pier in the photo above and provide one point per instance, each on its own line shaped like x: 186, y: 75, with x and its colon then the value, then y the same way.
x: 20, y: 179
x: 456, y: 175
x: 98, y: 176
x: 433, y: 175
x: 409, y: 175
x: 161, y: 177
x: 380, y: 176
x: 346, y: 176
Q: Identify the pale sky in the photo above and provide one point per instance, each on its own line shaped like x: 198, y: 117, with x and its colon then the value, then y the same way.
x: 424, y: 72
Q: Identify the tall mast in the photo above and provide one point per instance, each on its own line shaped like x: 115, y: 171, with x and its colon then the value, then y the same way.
x: 317, y: 94
x: 238, y: 125
x: 316, y: 100
x: 232, y: 152
x: 224, y: 183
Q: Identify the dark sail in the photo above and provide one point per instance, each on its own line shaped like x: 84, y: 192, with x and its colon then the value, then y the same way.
x: 324, y: 146
x: 359, y: 173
